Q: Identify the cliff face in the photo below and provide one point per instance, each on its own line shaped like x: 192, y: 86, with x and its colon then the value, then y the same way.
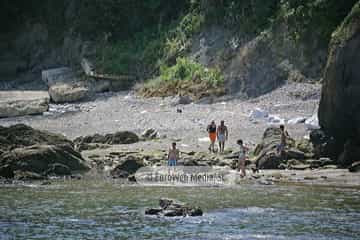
x: 339, y: 111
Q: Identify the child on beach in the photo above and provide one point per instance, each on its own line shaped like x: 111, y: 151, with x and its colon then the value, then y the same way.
x: 242, y: 158
x: 173, y: 155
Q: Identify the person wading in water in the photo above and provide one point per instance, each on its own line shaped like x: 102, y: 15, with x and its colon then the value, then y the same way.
x: 211, y: 129
x: 222, y: 135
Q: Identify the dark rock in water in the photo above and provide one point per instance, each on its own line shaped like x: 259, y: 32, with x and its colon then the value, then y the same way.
x: 25, y: 149
x: 339, y: 110
x: 58, y: 169
x: 173, y: 208
x: 153, y: 211
x: 27, y: 175
x: 130, y: 165
x: 176, y: 212
x: 132, y: 178
x: 124, y: 137
x: 355, y: 167
x: 196, y: 212
x: 165, y: 202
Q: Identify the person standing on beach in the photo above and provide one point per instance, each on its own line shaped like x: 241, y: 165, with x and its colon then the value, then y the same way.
x: 242, y: 158
x: 173, y: 155
x: 222, y: 135
x: 211, y: 129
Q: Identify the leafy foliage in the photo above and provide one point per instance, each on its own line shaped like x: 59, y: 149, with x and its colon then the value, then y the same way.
x: 188, y: 70
x: 188, y: 77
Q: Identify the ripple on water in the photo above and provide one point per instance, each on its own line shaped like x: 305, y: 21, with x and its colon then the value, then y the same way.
x: 109, y: 211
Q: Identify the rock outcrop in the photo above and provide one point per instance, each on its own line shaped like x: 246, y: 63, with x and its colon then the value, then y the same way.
x: 129, y: 166
x: 173, y: 208
x: 267, y: 156
x: 122, y: 137
x: 26, y: 150
x: 19, y: 103
x: 64, y: 86
x: 339, y: 111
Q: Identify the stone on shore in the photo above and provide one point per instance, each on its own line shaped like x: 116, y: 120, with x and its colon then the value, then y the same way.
x: 19, y: 103
x: 123, y: 137
x: 64, y: 85
x: 181, y: 100
x: 150, y: 133
x: 129, y: 166
x: 65, y: 92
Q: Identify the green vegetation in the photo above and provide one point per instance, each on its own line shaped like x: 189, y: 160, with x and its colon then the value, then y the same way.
x: 345, y: 30
x: 151, y: 48
x: 185, y: 77
x: 151, y: 39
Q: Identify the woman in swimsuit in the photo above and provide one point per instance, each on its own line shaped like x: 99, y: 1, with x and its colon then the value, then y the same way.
x: 211, y: 129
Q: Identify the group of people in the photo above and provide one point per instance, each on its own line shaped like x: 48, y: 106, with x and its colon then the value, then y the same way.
x: 221, y: 134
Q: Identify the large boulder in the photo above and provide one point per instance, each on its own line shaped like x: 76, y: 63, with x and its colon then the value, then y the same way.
x: 41, y: 159
x: 339, y: 111
x: 129, y: 166
x: 26, y: 150
x: 266, y: 153
x: 21, y: 135
x: 67, y: 92
x: 19, y: 103
x: 64, y: 85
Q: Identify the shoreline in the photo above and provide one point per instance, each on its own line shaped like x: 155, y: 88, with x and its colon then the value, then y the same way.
x: 335, y: 178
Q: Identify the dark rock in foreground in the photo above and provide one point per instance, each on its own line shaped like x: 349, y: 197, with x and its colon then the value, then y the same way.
x: 26, y: 153
x: 173, y: 208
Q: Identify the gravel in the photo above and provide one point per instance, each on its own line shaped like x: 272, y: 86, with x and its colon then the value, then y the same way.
x: 111, y: 112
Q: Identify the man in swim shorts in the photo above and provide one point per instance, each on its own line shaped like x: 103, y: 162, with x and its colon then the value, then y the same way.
x: 222, y: 135
x: 211, y: 129
x: 173, y: 155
